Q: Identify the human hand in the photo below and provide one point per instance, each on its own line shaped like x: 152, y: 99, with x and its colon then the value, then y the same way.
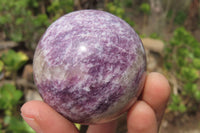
x: 143, y: 117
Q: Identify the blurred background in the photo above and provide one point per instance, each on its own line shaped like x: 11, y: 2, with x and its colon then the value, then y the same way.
x: 170, y: 31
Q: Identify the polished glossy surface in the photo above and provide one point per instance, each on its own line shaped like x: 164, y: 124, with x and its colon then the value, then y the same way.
x: 90, y: 66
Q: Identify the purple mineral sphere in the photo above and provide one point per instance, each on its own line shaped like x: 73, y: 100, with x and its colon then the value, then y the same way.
x: 90, y: 66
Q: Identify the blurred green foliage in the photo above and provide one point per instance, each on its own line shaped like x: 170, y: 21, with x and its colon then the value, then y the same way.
x: 177, y: 104
x: 117, y: 8
x: 128, y: 3
x: 9, y: 102
x: 13, y: 61
x: 180, y: 18
x: 1, y: 66
x: 59, y: 7
x: 154, y: 36
x: 17, y: 125
x: 26, y: 20
x: 18, y: 21
x: 182, y: 59
x: 145, y: 8
x: 10, y: 96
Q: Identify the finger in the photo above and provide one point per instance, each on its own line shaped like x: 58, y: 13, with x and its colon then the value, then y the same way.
x: 109, y: 127
x: 43, y: 119
x: 156, y: 93
x: 141, y: 119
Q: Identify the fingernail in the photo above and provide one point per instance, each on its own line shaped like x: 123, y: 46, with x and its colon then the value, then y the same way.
x: 32, y: 123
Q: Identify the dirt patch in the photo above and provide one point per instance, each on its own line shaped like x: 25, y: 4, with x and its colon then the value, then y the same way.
x: 182, y: 124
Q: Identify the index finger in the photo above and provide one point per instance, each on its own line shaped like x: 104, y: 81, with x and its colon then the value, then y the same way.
x: 156, y: 93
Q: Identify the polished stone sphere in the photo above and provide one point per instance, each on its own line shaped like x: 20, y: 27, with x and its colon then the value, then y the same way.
x: 90, y: 66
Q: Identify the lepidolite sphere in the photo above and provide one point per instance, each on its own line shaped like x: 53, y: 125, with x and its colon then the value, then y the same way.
x: 89, y: 66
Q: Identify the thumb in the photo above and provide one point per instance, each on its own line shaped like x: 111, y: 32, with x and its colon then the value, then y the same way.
x: 43, y: 119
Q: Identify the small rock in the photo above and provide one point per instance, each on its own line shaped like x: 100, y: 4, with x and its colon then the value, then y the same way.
x: 7, y: 44
x: 32, y: 95
x: 28, y: 73
x: 152, y: 64
x: 164, y: 124
x: 154, y: 45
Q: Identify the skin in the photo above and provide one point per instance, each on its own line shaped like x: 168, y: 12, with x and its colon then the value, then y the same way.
x: 144, y: 116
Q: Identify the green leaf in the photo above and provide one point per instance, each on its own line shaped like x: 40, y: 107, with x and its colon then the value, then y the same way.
x: 16, y: 125
x: 190, y: 88
x: 197, y: 95
x: 41, y: 20
x: 53, y: 7
x: 117, y: 9
x: 183, y: 52
x: 176, y: 104
x: 3, y: 20
x: 128, y: 3
x: 180, y: 18
x: 19, y: 21
x: 0, y: 126
x: 197, y: 52
x: 16, y: 36
x: 189, y: 74
x: 1, y: 66
x: 14, y: 60
x: 34, y: 3
x: 182, y: 108
x: 154, y: 36
x: 66, y: 5
x: 130, y: 22
x: 196, y: 63
x: 78, y: 126
x: 145, y: 8
x: 9, y: 96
